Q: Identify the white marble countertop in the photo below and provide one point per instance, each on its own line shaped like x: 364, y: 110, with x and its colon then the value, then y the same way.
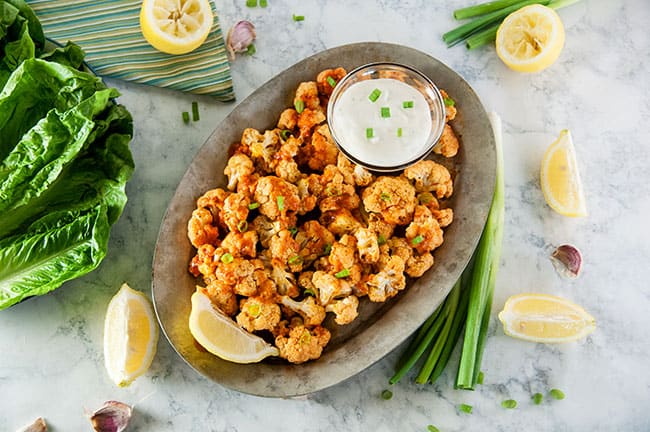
x: 51, y: 361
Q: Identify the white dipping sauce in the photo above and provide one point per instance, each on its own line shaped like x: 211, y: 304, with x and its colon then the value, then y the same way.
x: 354, y: 113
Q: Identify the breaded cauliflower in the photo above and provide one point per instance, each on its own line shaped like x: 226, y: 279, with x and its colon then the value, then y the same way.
x: 353, y: 173
x: 239, y: 273
x: 309, y: 188
x: 285, y: 249
x: 428, y: 176
x: 399, y: 246
x: 424, y: 233
x: 448, y: 143
x: 265, y: 229
x: 325, y: 87
x: 262, y: 147
x: 345, y: 309
x: 235, y: 212
x: 213, y: 201
x: 340, y: 222
x: 200, y: 229
x: 222, y: 296
x: 238, y: 168
x: 388, y: 281
x: 241, y: 244
x: 307, y: 92
x: 258, y: 313
x: 383, y: 229
x: 343, y: 254
x: 278, y: 200
x: 367, y: 245
x: 416, y: 265
x: 308, y: 120
x: 288, y: 119
x: 286, y: 167
x: 302, y: 343
x: 311, y: 313
x: 393, y: 197
x: 444, y: 216
x: 321, y: 150
x: 314, y: 240
x: 450, y: 110
x: 285, y: 281
x: 204, y: 262
x: 329, y: 287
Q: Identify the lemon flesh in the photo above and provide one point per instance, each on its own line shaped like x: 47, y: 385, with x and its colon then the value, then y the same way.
x: 530, y: 39
x: 130, y: 336
x: 221, y: 336
x: 176, y: 26
x: 560, y: 178
x: 545, y: 318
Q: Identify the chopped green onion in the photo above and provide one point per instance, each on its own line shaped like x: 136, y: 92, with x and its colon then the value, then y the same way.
x: 425, y: 197
x: 309, y: 292
x: 250, y: 49
x: 482, y: 37
x: 509, y: 404
x: 295, y: 259
x: 482, y: 9
x: 417, y: 240
x: 285, y: 134
x: 384, y: 196
x: 343, y: 273
x: 537, y: 398
x: 399, y: 132
x: 242, y: 226
x: 449, y: 101
x: 280, y: 200
x: 432, y: 428
x: 386, y: 394
x: 407, y: 104
x: 331, y: 81
x: 298, y: 17
x: 465, y: 408
x: 369, y: 133
x: 253, y: 206
x: 479, y: 378
x: 385, y: 112
x: 263, y: 3
x: 254, y: 310
x: 374, y: 95
x: 299, y: 105
x: 251, y: 3
x: 327, y: 249
x: 381, y: 240
x: 227, y: 258
x: 195, y: 111
x: 557, y: 394
x: 293, y: 231
x: 186, y: 117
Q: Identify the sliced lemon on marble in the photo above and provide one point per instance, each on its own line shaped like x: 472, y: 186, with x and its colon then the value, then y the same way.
x: 545, y: 318
x: 176, y: 26
x: 530, y: 39
x: 560, y: 178
x: 130, y: 336
x: 223, y: 337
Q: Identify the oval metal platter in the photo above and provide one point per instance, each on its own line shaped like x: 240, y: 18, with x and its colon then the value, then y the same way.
x: 380, y: 328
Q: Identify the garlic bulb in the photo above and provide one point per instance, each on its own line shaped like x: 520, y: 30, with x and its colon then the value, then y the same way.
x: 113, y: 416
x: 567, y: 260
x: 240, y: 37
x: 38, y: 426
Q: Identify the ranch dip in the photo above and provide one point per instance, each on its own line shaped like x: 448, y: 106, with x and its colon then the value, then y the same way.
x: 382, y: 122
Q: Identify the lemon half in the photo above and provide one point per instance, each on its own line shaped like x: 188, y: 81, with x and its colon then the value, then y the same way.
x: 530, y: 39
x: 176, y: 26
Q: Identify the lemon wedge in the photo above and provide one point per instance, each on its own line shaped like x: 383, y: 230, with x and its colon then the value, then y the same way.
x: 130, y: 336
x: 221, y: 336
x: 545, y: 318
x: 560, y: 178
x: 530, y: 39
x: 176, y: 26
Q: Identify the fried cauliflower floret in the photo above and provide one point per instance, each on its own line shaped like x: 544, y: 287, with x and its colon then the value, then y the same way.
x: 450, y: 110
x: 314, y: 239
x: 285, y: 249
x: 428, y: 176
x: 428, y: 200
x: 345, y: 309
x: 393, y: 197
x: 321, y: 150
x: 286, y: 167
x: 213, y: 200
x: 383, y: 229
x: 307, y: 92
x: 222, y: 296
x: 448, y: 144
x: 340, y: 222
x: 311, y: 312
x: 239, y: 273
x: 329, y: 287
x: 278, y: 200
x: 343, y: 254
x: 204, y: 262
x: 302, y: 344
x: 262, y: 148
x: 388, y: 281
x: 265, y: 229
x: 308, y: 120
x: 416, y: 265
x: 235, y: 212
x: 309, y: 188
x: 324, y: 87
x: 200, y: 229
x: 239, y: 167
x: 288, y: 119
x: 285, y: 281
x: 367, y: 245
x: 257, y: 313
x: 444, y: 216
x: 424, y: 233
x: 241, y: 244
x: 353, y: 173
x: 398, y: 246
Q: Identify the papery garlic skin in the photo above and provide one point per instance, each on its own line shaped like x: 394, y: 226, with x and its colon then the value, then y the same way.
x: 113, y: 416
x: 240, y: 36
x: 39, y: 425
x: 567, y: 260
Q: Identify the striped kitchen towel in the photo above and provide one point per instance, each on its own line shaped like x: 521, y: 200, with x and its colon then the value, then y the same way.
x: 109, y: 33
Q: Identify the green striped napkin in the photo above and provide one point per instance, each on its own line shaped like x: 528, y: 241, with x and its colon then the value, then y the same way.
x: 109, y: 33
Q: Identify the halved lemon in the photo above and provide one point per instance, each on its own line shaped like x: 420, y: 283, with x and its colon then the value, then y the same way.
x: 530, y: 39
x: 130, y: 336
x: 560, y: 178
x: 176, y: 26
x: 223, y: 337
x: 545, y: 318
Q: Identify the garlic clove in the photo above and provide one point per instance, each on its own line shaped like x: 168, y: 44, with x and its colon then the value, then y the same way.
x: 240, y: 36
x: 38, y: 426
x: 113, y: 416
x: 567, y: 261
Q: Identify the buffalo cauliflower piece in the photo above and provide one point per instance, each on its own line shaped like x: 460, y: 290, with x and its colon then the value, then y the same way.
x: 367, y: 245
x: 393, y: 197
x: 450, y: 110
x: 383, y: 229
x: 448, y: 144
x: 424, y: 233
x: 222, y: 296
x: 399, y: 246
x: 288, y: 119
x: 416, y: 265
x: 285, y: 281
x: 262, y: 147
x: 314, y: 240
x: 329, y: 287
x: 204, y: 262
x: 235, y: 212
x: 286, y: 167
x: 258, y: 313
x: 309, y: 188
x: 388, y: 281
x: 241, y: 244
x: 321, y: 150
x: 239, y: 273
x: 343, y: 253
x: 284, y: 248
x: 307, y: 92
x: 213, y: 200
x: 345, y: 309
x: 278, y: 200
x: 265, y: 229
x: 312, y: 313
x: 238, y: 168
x: 200, y: 228
x: 302, y: 343
x: 353, y: 173
x: 340, y: 222
x: 444, y: 216
x: 324, y: 82
x: 428, y: 176
x: 308, y: 120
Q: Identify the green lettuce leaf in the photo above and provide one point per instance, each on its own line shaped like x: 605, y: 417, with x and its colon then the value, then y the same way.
x: 70, y: 55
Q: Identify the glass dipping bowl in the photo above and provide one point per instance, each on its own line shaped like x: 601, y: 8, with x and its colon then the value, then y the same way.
x: 407, y: 75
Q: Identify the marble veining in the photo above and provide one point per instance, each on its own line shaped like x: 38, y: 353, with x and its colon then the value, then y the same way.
x: 51, y: 361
